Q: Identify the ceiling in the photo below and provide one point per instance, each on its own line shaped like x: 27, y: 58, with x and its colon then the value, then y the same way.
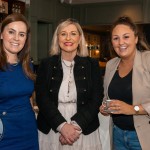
x: 87, y: 1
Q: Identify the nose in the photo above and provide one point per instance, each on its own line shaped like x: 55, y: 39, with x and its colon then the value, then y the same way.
x: 68, y: 36
x: 16, y: 36
x: 121, y: 41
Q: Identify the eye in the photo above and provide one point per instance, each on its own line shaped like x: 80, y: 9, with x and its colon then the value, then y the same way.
x: 74, y: 33
x: 115, y: 38
x: 11, y: 32
x: 22, y: 34
x: 63, y: 34
x: 126, y: 37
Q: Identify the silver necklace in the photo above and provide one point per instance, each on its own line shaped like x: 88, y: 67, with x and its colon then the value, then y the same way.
x: 66, y: 64
x: 69, y: 82
x: 14, y: 64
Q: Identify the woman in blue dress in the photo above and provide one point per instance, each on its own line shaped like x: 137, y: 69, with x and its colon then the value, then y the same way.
x: 18, y: 130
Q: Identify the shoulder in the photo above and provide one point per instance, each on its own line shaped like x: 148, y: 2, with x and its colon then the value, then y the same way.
x: 48, y: 63
x: 146, y: 55
x: 89, y: 59
x: 85, y: 60
x: 146, y: 58
x: 93, y: 60
x: 49, y: 60
x: 88, y: 63
x: 113, y: 61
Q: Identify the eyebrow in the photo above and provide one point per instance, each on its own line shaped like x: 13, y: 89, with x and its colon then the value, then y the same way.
x: 117, y: 34
x: 71, y: 31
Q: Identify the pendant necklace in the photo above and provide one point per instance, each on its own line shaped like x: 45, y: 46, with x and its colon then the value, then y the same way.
x: 69, y: 81
x: 71, y: 65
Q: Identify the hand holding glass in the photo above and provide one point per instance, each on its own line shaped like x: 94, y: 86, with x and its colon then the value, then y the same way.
x: 106, y: 104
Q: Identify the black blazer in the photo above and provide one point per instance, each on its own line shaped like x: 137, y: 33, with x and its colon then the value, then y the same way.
x: 89, y: 87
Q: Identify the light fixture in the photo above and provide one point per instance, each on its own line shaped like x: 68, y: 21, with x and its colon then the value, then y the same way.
x: 62, y: 1
x: 66, y: 1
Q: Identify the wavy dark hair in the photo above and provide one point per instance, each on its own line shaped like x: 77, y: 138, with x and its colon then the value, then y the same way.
x: 24, y: 54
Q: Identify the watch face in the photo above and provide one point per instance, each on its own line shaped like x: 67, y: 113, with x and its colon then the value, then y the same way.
x: 136, y: 108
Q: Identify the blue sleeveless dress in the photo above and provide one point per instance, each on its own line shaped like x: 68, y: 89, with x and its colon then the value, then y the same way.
x: 18, y: 130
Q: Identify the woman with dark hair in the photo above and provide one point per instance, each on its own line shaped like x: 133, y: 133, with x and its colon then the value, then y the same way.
x: 68, y: 93
x: 17, y: 120
x: 127, y: 85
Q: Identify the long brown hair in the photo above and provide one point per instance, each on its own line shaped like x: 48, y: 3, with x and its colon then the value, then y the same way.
x: 24, y: 54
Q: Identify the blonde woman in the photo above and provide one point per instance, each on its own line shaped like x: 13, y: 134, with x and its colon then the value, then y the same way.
x: 69, y: 92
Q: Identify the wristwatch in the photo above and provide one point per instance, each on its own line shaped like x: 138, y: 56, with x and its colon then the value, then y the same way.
x: 136, y: 108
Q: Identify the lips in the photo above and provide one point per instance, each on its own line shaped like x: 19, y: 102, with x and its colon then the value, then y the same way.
x: 68, y: 44
x: 14, y: 44
x: 122, y: 48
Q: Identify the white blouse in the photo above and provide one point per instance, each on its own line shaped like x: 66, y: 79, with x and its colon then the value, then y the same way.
x: 67, y: 91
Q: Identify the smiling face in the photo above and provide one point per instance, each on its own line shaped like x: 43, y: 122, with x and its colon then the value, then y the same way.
x: 14, y: 37
x: 124, y: 41
x: 69, y: 38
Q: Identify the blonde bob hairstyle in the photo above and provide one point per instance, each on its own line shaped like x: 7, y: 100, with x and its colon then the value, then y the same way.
x: 55, y: 48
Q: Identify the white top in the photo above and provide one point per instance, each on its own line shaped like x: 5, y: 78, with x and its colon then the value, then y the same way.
x: 67, y: 91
